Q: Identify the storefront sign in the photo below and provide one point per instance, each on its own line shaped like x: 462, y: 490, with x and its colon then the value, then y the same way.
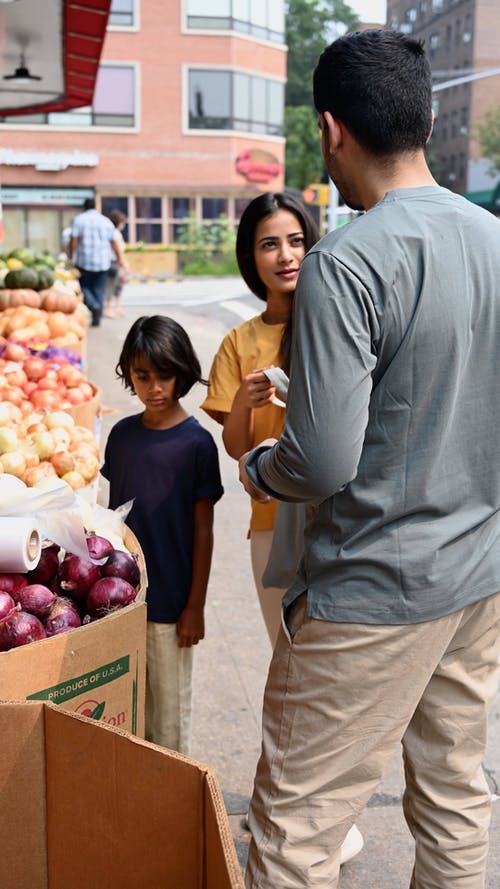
x: 47, y: 160
x: 257, y: 165
x: 62, y: 197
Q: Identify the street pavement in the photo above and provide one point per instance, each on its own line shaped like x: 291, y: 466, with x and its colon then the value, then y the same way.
x: 231, y: 663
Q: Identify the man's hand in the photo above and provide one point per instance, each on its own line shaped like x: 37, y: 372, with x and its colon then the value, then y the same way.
x: 250, y: 488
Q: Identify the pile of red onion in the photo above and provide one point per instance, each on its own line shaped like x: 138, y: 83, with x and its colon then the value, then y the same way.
x: 65, y: 591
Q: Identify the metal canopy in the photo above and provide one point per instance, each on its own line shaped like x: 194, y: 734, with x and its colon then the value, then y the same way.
x: 58, y: 41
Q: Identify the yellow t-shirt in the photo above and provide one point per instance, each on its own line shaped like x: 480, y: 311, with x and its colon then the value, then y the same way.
x: 248, y: 347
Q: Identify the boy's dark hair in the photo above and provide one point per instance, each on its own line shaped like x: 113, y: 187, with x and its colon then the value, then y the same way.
x: 166, y: 346
x: 378, y: 83
x: 265, y: 205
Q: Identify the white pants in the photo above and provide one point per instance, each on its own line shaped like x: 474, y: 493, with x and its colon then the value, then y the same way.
x: 169, y: 672
x: 339, y: 700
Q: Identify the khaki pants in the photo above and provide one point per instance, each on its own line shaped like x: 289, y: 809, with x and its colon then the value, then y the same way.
x: 269, y: 597
x: 169, y: 672
x: 339, y: 699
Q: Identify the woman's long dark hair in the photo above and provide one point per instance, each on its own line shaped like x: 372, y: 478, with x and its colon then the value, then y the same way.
x: 266, y: 205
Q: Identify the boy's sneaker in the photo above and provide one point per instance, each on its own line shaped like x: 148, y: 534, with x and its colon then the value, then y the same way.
x: 352, y: 845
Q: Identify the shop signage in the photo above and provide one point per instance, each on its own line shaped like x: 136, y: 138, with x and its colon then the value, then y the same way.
x: 47, y: 160
x: 62, y: 197
x: 257, y: 165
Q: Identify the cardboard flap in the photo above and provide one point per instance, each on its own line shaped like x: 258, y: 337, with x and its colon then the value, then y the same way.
x: 135, y: 814
x: 22, y: 778
x: 221, y: 862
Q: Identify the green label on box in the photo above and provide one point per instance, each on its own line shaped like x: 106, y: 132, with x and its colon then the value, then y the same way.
x: 79, y: 685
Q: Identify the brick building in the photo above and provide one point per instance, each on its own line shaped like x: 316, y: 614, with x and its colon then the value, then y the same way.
x: 187, y: 116
x: 461, y: 37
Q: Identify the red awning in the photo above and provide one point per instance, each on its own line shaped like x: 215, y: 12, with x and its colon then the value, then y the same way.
x: 65, y: 57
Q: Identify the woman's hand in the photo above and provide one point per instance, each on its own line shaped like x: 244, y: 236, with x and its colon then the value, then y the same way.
x: 255, y: 391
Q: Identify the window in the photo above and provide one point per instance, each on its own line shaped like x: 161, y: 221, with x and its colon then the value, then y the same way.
x: 212, y: 208
x: 454, y: 124
x: 434, y: 42
x: 257, y: 18
x: 181, y: 208
x: 467, y: 35
x: 437, y: 5
x: 148, y: 219
x: 227, y: 100
x: 114, y: 103
x: 444, y: 127
x: 411, y: 15
x: 110, y: 202
x: 122, y: 13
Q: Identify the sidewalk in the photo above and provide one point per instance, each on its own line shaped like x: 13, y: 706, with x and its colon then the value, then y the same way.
x: 231, y: 663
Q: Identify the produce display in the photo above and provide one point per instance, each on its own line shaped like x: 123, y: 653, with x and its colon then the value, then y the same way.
x: 37, y: 327
x: 43, y: 444
x: 66, y: 591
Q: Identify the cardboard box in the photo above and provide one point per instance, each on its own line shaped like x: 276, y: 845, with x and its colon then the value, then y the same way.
x: 98, y: 670
x: 85, y: 806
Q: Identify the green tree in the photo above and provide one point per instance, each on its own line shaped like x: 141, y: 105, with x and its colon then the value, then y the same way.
x: 488, y: 133
x: 310, y: 26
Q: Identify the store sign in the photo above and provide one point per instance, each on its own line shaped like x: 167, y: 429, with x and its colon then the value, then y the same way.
x: 61, y: 197
x: 47, y: 160
x: 257, y: 165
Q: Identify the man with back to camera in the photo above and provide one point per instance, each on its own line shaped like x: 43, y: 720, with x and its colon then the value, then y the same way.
x: 93, y: 237
x: 391, y: 438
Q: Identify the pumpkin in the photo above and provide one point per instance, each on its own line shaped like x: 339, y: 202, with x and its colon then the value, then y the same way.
x: 24, y: 297
x: 54, y: 300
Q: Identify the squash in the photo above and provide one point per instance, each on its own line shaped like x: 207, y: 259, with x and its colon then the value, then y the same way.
x: 25, y: 297
x: 54, y: 300
x: 21, y: 278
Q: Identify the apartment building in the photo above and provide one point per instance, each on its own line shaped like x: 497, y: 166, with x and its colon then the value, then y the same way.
x: 462, y: 37
x: 187, y: 117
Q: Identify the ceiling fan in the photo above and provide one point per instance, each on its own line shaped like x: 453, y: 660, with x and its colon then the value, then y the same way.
x: 21, y: 73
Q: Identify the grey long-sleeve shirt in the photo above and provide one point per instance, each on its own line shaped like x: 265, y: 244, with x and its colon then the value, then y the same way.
x: 392, y: 432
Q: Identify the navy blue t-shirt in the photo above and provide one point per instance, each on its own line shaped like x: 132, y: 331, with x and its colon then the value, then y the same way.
x: 165, y: 471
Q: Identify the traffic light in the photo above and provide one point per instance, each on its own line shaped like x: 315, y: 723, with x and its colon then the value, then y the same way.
x: 317, y: 194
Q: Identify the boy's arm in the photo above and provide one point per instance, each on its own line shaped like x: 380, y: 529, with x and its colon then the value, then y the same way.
x: 191, y: 623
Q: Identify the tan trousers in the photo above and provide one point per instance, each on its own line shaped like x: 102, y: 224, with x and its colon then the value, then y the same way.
x: 269, y: 597
x: 169, y: 672
x: 339, y: 700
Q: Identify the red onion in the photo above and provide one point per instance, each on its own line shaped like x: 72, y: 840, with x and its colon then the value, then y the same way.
x: 98, y: 547
x: 35, y: 598
x: 77, y: 575
x: 24, y: 628
x: 5, y: 640
x: 62, y: 616
x: 47, y: 567
x: 122, y: 564
x: 107, y: 594
x: 10, y: 583
x: 7, y: 606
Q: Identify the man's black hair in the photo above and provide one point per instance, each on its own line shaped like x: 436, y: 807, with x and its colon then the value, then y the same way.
x: 378, y: 84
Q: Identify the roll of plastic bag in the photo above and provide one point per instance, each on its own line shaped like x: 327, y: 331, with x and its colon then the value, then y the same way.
x: 20, y: 544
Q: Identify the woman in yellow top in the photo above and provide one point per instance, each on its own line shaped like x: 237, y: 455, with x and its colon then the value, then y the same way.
x: 274, y: 234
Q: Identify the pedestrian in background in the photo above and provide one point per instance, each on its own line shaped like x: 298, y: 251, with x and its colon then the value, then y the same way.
x: 167, y: 463
x: 118, y: 270
x: 93, y: 241
x: 391, y: 439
